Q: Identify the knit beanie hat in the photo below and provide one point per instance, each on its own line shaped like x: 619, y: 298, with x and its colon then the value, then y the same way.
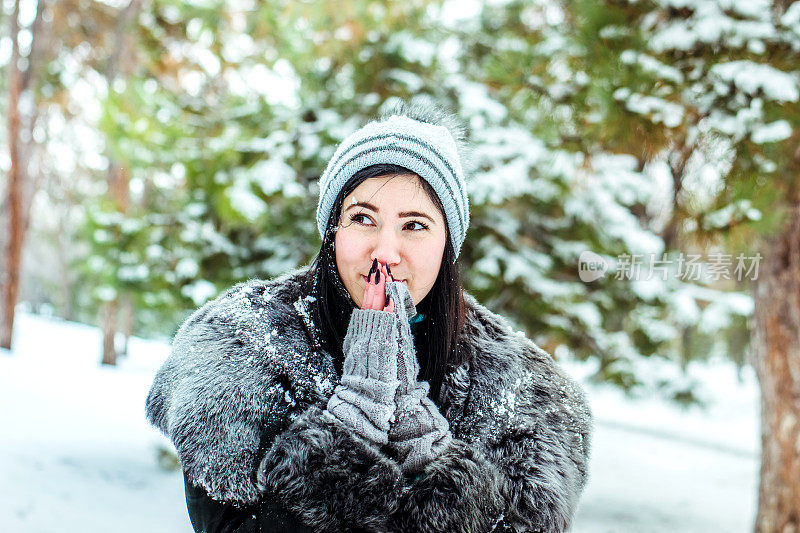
x: 426, y: 149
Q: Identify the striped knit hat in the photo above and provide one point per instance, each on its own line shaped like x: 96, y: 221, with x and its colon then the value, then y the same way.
x: 425, y: 149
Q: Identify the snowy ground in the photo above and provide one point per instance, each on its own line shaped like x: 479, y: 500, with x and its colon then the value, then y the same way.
x: 658, y: 468
x: 76, y: 454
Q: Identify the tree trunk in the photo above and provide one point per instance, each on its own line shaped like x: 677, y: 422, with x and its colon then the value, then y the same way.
x: 118, y: 188
x: 63, y: 249
x: 16, y: 175
x: 117, y: 175
x: 128, y: 320
x: 677, y: 165
x: 108, y: 321
x: 776, y: 354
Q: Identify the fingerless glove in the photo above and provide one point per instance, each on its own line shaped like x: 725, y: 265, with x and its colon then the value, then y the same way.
x: 364, y: 401
x: 419, y: 432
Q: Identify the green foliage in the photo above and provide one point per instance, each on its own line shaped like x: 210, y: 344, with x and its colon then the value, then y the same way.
x: 223, y: 116
x: 226, y: 125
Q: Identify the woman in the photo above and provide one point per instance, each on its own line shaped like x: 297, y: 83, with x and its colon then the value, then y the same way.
x: 367, y: 391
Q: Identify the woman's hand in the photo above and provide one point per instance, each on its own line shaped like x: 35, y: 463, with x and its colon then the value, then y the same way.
x: 375, y: 293
x: 364, y: 400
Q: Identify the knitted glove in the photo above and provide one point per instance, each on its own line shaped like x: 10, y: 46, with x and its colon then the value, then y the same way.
x: 419, y: 432
x: 364, y: 401
x: 404, y: 309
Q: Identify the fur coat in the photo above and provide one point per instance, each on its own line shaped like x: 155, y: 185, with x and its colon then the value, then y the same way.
x: 242, y: 393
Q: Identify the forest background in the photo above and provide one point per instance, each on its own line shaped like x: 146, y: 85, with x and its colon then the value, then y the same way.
x: 633, y: 170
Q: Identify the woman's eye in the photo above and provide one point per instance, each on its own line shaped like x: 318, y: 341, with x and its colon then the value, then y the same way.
x: 422, y: 226
x: 356, y: 218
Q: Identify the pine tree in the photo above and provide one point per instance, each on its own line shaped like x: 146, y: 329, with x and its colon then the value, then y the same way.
x: 227, y: 126
x: 714, y: 84
x: 556, y: 177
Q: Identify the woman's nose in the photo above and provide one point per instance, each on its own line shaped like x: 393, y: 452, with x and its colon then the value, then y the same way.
x: 387, y: 247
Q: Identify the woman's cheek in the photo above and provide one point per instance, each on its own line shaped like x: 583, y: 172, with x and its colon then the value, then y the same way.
x: 349, y: 257
x: 434, y: 254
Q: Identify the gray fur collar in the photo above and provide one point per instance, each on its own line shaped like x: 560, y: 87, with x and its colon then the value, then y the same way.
x: 241, y: 363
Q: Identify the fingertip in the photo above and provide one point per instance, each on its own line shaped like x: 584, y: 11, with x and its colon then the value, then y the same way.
x: 368, y: 297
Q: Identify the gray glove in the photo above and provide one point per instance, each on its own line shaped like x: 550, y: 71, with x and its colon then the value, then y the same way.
x: 404, y: 309
x: 364, y: 401
x: 419, y: 432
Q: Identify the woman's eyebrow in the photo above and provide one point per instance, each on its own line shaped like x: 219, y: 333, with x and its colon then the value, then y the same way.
x: 402, y: 215
x: 361, y: 204
x: 415, y: 214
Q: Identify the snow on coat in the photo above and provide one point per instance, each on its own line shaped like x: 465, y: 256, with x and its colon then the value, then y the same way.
x: 242, y: 393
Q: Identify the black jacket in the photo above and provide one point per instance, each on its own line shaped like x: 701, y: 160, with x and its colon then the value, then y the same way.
x: 241, y: 397
x: 266, y: 516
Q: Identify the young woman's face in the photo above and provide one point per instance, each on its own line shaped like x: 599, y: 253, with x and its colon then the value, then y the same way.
x: 391, y: 219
